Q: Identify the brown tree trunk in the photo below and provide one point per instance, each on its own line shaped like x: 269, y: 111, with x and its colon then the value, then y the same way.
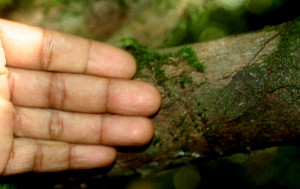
x: 231, y: 107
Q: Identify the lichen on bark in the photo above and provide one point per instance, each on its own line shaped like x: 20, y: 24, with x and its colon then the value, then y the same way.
x: 247, y: 98
x: 262, y: 100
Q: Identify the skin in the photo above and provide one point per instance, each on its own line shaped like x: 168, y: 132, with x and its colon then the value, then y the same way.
x: 67, y: 102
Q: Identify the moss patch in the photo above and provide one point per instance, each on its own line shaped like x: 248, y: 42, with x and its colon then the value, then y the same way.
x: 154, y: 61
x: 172, y: 74
x: 263, y: 98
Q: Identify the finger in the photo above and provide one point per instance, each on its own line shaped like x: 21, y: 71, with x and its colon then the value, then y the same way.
x: 6, y: 132
x: 81, y: 93
x: 4, y: 88
x: 111, y: 130
x: 30, y: 155
x: 35, y: 48
x: 6, y: 114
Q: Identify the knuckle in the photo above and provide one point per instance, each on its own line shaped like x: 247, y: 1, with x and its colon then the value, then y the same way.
x: 57, y: 92
x: 70, y: 157
x: 47, y: 50
x: 38, y: 158
x: 56, y: 125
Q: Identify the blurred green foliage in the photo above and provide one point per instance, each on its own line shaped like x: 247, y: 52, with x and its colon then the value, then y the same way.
x: 187, y: 177
x: 7, y: 186
x: 272, y: 168
x: 220, y: 18
x: 5, y: 3
x: 122, y: 3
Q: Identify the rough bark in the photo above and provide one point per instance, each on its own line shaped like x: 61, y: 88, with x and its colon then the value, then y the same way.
x: 232, y: 107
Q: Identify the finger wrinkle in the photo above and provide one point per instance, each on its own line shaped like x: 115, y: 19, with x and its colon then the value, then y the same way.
x: 11, y: 83
x: 46, y: 49
x: 17, y: 123
x: 88, y: 57
x: 107, y: 94
x: 1, y: 33
x: 56, y: 125
x: 11, y: 157
x: 38, y: 158
x: 101, y: 122
x: 70, y: 156
x: 57, y: 91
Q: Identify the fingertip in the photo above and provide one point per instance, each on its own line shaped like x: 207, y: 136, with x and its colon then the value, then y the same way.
x: 143, y: 133
x: 110, y: 61
x: 126, y: 131
x: 110, y: 156
x: 156, y: 100
x: 150, y: 100
x: 90, y: 157
x: 129, y: 64
x: 132, y: 98
x: 121, y: 64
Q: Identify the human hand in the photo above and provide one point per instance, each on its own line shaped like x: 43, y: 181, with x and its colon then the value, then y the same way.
x: 65, y: 102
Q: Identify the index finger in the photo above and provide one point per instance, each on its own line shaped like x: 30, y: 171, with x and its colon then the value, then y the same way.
x: 34, y: 48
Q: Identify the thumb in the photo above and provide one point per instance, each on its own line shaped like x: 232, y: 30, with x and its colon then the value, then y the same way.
x: 6, y: 114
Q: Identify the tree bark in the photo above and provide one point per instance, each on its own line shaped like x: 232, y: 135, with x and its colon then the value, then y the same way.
x: 229, y: 108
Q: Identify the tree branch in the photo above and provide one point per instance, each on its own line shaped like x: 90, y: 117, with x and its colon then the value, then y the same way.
x: 246, y: 99
x: 236, y: 105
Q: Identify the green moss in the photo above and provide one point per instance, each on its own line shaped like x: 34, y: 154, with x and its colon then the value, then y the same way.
x: 190, y: 56
x: 145, y: 58
x: 265, y: 95
x: 154, y: 61
x: 184, y: 81
x: 156, y: 140
x: 285, y: 59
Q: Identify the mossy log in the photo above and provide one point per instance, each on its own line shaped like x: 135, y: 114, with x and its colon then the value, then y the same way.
x: 193, y: 122
x: 247, y: 98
